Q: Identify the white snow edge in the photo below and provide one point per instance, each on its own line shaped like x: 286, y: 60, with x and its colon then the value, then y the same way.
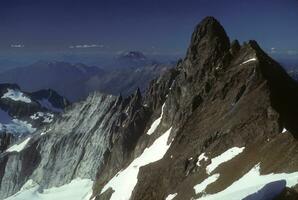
x: 171, y: 196
x: 249, y: 60
x: 18, y: 147
x: 124, y: 182
x: 202, y: 186
x: 156, y: 122
x: 224, y: 157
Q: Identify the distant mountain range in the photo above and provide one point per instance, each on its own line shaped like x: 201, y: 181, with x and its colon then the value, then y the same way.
x: 75, y: 81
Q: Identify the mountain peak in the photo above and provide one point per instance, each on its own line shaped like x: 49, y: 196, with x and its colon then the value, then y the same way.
x: 133, y: 55
x: 208, y: 38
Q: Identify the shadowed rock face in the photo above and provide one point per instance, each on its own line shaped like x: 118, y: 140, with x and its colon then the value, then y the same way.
x: 219, y: 96
x: 5, y: 140
x: 287, y: 194
x: 209, y: 40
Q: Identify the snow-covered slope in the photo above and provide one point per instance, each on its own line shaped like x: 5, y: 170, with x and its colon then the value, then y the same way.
x: 77, y: 189
x: 122, y: 188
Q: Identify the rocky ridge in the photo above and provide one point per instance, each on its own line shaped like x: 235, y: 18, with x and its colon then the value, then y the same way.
x: 220, y: 96
x: 225, y: 113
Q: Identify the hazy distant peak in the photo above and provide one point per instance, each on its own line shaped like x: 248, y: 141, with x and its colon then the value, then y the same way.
x: 133, y: 55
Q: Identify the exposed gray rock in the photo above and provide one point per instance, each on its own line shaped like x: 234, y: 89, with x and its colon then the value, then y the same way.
x: 68, y: 149
x: 76, y: 144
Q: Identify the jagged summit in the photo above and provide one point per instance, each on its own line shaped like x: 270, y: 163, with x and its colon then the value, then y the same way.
x: 235, y: 47
x: 209, y: 38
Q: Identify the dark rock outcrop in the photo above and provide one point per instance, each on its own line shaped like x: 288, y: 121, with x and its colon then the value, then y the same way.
x: 5, y: 140
x: 219, y: 96
x: 57, y: 101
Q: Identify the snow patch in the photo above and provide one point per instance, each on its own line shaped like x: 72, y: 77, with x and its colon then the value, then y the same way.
x: 45, y: 132
x: 284, y: 130
x: 77, y: 189
x: 249, y: 60
x: 16, y: 95
x: 156, y: 122
x: 18, y: 147
x: 171, y: 196
x: 17, y: 127
x: 250, y: 183
x: 47, y: 117
x: 224, y: 157
x: 202, y: 186
x: 123, y: 182
x: 201, y: 157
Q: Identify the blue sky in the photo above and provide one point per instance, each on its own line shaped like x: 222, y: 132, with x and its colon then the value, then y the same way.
x: 153, y: 26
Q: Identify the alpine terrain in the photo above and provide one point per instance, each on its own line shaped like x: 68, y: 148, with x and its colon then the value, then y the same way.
x: 220, y: 125
x: 22, y: 113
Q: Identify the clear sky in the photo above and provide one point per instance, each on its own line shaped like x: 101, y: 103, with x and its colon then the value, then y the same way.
x: 152, y: 26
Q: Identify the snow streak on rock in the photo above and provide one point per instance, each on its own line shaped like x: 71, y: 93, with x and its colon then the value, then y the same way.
x: 156, y: 122
x: 224, y: 157
x: 19, y: 147
x: 124, y: 182
x: 248, y: 61
x: 171, y: 196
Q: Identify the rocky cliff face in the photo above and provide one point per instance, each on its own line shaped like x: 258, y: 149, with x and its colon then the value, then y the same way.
x: 221, y: 125
x: 75, y: 145
x: 221, y: 98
